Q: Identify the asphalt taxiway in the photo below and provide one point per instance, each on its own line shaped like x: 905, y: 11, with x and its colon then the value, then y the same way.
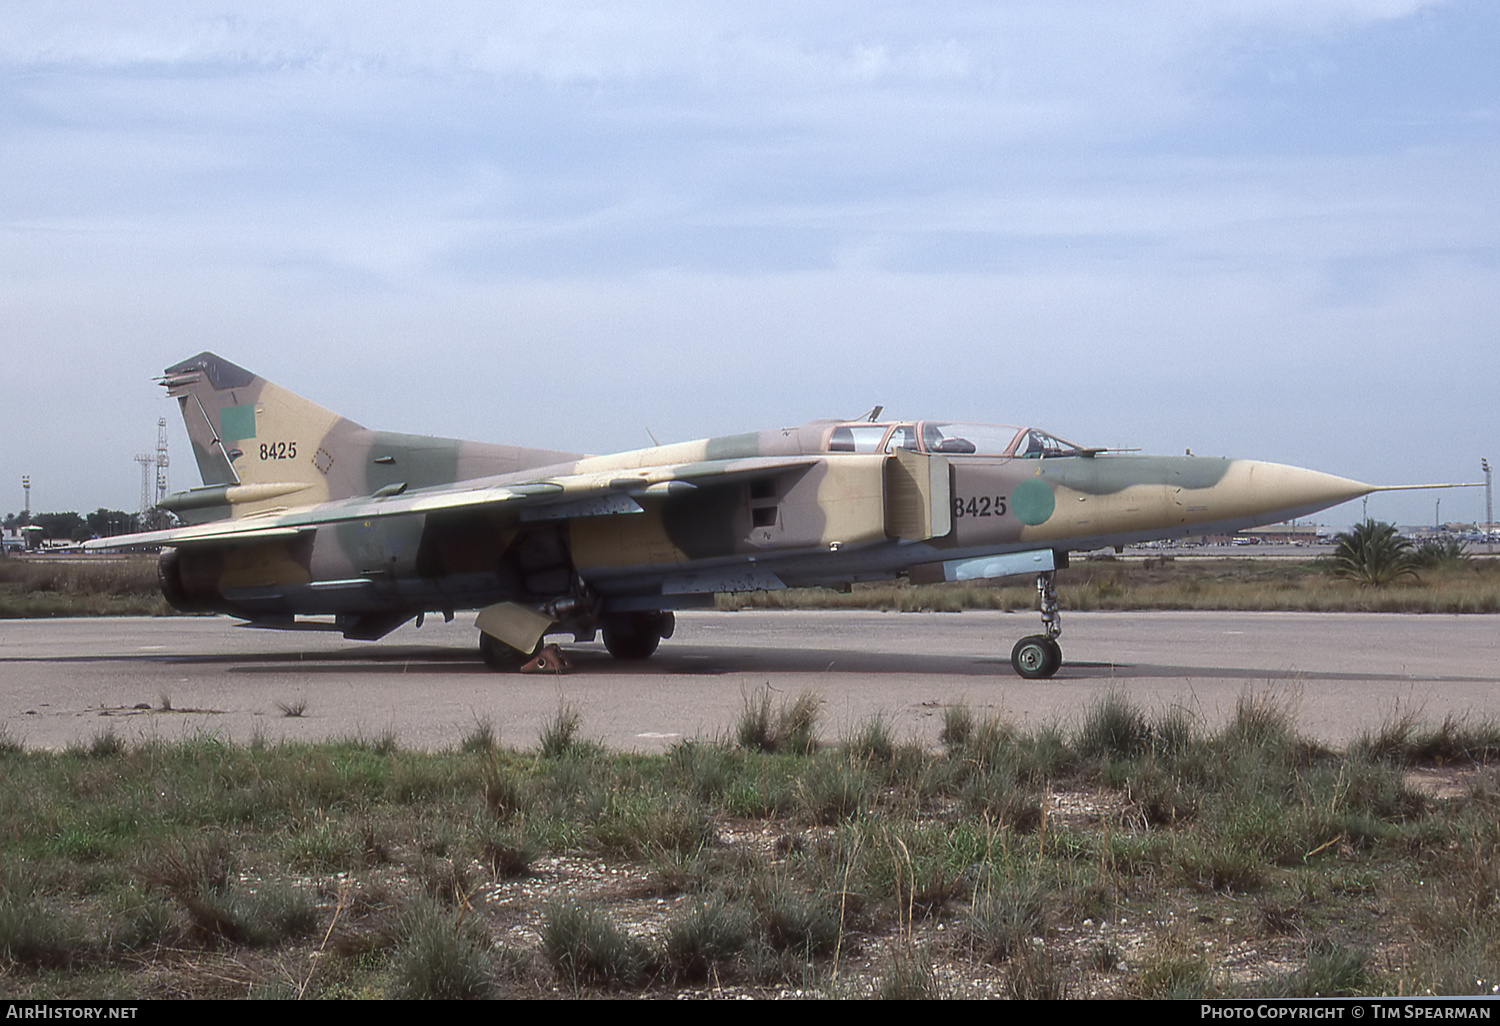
x: 63, y: 681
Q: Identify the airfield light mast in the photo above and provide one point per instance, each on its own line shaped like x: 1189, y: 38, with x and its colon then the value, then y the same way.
x: 147, y: 460
x: 1489, y: 507
x: 161, y: 460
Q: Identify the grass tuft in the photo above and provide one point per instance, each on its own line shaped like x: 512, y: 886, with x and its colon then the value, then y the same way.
x: 1034, y: 975
x: 481, y: 739
x: 958, y: 726
x: 586, y: 947
x: 873, y: 741
x: 1333, y: 969
x: 1005, y: 915
x: 559, y: 735
x: 105, y: 744
x: 705, y: 941
x: 910, y: 977
x: 1112, y: 726
x: 441, y: 956
x: 790, y: 919
x: 1262, y: 719
x: 31, y: 933
x: 792, y: 727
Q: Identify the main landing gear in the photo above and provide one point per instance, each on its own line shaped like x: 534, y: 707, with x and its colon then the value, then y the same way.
x: 628, y: 636
x: 1038, y: 656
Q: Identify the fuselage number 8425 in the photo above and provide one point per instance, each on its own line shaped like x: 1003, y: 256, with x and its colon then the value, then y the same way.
x: 978, y: 506
x: 278, y: 450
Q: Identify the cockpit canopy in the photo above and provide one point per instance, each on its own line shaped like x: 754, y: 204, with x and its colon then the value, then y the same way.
x: 948, y: 438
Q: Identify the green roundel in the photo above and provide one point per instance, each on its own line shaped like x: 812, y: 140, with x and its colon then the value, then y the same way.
x: 1032, y: 501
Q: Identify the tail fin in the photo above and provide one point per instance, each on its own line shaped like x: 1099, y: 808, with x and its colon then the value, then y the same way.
x: 259, y: 446
x: 257, y: 438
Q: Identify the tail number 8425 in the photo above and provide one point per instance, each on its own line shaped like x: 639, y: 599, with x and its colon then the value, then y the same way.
x: 978, y: 506
x: 278, y: 450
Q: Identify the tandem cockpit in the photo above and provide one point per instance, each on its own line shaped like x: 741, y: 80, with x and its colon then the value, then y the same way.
x: 950, y: 438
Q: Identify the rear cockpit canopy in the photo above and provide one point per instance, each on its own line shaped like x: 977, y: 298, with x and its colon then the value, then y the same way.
x: 948, y: 438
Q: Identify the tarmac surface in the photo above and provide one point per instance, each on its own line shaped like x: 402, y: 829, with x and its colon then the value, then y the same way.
x: 65, y: 681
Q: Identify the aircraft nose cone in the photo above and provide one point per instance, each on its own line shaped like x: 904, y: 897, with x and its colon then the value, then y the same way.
x: 1291, y: 491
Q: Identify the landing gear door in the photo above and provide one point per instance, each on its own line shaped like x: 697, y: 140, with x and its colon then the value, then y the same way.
x: 918, y: 496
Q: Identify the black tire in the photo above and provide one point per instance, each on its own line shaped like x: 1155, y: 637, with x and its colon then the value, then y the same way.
x: 631, y: 646
x: 499, y: 656
x: 1056, y: 656
x: 1036, y: 657
x: 635, y: 636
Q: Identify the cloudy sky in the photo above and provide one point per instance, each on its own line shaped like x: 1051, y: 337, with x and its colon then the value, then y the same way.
x: 1261, y: 228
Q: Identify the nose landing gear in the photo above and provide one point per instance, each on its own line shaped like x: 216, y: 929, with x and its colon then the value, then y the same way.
x: 1038, y: 656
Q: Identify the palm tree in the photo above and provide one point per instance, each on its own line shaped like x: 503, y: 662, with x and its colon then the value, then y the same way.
x: 1373, y: 554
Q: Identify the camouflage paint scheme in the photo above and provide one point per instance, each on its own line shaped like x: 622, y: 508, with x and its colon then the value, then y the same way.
x: 304, y: 512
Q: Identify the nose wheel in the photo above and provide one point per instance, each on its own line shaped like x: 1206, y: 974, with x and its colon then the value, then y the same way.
x: 1038, y: 656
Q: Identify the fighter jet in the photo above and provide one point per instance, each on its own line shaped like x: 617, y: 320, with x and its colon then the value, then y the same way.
x: 305, y: 513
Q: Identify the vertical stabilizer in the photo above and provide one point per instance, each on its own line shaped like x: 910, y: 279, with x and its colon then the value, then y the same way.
x: 259, y: 446
x: 249, y: 433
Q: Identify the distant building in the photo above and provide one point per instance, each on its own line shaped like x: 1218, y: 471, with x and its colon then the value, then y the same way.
x: 1285, y: 534
x: 24, y: 539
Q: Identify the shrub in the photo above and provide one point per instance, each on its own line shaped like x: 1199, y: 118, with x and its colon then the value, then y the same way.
x: 1431, y: 553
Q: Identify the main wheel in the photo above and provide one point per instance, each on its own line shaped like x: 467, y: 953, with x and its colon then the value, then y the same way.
x: 497, y: 655
x: 1036, y: 657
x: 631, y: 646
x: 635, y: 636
